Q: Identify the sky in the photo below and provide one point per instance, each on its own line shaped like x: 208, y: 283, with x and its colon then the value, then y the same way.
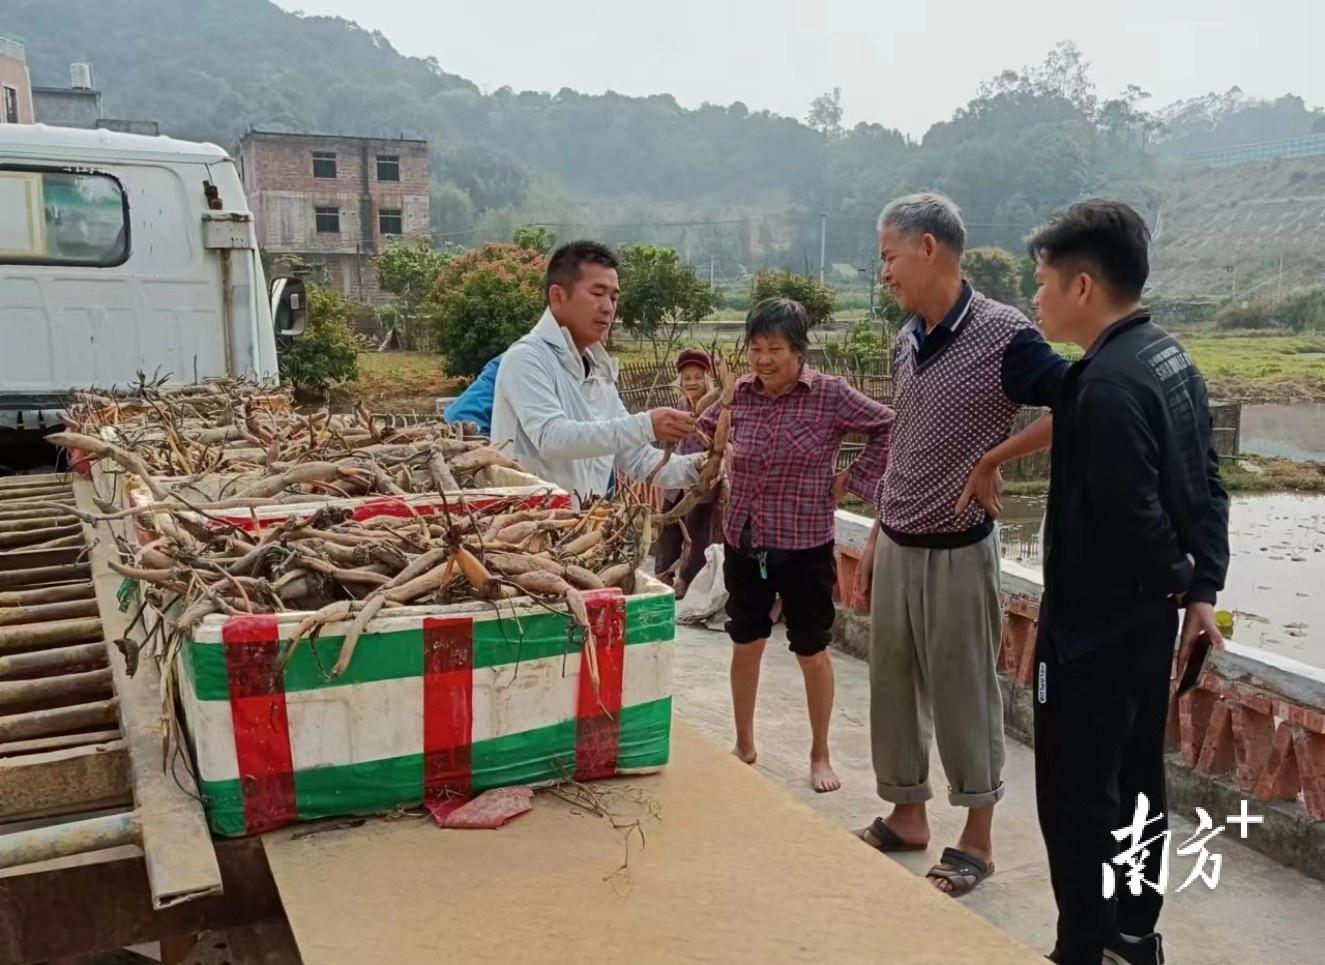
x: 905, y: 64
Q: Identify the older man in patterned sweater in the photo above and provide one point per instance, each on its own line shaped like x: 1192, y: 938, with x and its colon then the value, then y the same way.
x: 963, y: 365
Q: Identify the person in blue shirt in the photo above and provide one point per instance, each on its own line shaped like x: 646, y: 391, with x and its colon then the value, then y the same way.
x: 475, y: 403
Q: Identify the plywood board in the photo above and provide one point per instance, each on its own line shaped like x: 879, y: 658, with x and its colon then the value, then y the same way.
x: 177, y: 847
x: 733, y: 870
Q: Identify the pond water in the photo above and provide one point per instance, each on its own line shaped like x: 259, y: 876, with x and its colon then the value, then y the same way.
x: 1276, y: 575
x: 1285, y: 431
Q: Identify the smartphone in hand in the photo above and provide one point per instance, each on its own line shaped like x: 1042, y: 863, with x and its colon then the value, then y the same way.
x: 1191, y: 673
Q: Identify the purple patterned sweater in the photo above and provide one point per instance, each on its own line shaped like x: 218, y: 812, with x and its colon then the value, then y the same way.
x: 951, y: 410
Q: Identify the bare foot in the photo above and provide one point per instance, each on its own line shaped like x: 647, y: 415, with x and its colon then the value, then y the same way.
x: 822, y: 777
x: 743, y: 755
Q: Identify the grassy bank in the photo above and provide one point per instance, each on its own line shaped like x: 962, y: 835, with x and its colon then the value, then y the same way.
x: 1261, y: 368
x: 403, y: 381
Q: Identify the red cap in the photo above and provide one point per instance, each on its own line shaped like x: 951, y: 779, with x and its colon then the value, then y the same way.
x: 694, y: 356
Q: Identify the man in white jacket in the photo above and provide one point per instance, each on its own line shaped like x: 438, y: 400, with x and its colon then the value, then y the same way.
x: 556, y: 397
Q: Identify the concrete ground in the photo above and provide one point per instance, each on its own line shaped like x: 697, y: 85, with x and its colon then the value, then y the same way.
x: 1261, y: 912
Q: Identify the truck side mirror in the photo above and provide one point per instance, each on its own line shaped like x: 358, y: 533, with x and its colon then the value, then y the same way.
x: 289, y: 307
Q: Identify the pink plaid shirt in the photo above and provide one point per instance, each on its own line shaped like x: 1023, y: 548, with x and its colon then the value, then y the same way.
x: 781, y: 454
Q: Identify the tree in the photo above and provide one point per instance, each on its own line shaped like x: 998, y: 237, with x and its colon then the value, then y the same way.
x: 452, y: 213
x: 819, y: 300
x: 409, y: 269
x: 492, y: 179
x: 535, y: 238
x: 1026, y: 269
x: 863, y: 344
x: 661, y: 297
x: 993, y: 272
x: 328, y: 351
x: 483, y: 301
x: 826, y: 113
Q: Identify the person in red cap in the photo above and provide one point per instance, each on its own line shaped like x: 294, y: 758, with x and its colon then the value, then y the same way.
x: 694, y: 370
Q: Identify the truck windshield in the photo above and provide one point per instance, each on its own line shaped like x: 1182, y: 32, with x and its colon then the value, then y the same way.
x: 62, y: 218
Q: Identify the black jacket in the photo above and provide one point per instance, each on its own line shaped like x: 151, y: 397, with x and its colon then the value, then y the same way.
x: 1137, y: 515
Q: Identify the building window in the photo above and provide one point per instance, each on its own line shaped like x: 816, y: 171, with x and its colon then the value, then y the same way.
x: 11, y: 112
x: 388, y: 167
x: 328, y: 220
x: 324, y: 164
x: 389, y: 221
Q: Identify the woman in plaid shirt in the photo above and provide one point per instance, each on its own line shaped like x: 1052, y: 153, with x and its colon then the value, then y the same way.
x: 787, y: 422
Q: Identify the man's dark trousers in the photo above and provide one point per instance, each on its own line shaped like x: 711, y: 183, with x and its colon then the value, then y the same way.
x: 1099, y: 742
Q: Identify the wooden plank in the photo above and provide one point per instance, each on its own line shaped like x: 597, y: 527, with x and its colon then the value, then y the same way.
x: 55, y: 633
x: 177, y: 845
x: 33, y: 479
x: 60, y: 720
x: 30, y: 537
x: 407, y: 892
x: 103, y: 903
x: 48, y: 594
x: 50, y: 841
x: 27, y: 522
x: 40, y: 559
x: 76, y: 779
x: 48, y: 612
x: 39, y: 663
x: 20, y: 578
x: 41, y: 744
x: 66, y: 689
x: 31, y: 494
x: 12, y: 511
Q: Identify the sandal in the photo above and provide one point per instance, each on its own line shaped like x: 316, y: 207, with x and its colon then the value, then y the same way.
x: 963, y: 871
x: 889, y: 840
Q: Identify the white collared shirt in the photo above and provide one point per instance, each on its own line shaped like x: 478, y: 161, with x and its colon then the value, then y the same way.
x: 570, y: 428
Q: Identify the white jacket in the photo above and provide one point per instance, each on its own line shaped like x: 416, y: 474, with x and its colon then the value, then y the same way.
x: 569, y: 428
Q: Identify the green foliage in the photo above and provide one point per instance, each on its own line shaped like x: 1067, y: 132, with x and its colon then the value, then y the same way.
x: 409, y: 269
x: 659, y: 293
x: 328, y: 351
x: 1302, y: 310
x: 993, y: 272
x: 1245, y: 316
x: 452, y: 212
x: 887, y: 309
x: 819, y: 300
x: 535, y: 238
x: 734, y: 298
x: 864, y: 342
x: 491, y: 178
x: 826, y: 113
x: 483, y: 301
x: 1026, y: 269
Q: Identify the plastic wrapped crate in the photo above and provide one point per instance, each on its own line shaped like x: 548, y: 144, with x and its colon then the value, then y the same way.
x: 437, y: 701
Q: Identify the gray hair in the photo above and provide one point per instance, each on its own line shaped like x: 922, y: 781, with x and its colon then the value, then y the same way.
x: 927, y: 213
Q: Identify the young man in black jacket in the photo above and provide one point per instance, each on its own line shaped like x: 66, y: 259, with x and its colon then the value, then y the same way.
x: 1136, y: 530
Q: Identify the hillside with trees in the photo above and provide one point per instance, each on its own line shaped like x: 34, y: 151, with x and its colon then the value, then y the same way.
x: 731, y: 188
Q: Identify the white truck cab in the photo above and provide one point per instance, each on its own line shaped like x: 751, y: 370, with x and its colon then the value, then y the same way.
x: 122, y: 254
